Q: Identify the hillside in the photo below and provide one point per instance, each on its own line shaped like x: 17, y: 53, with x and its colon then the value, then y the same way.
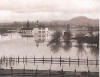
x: 82, y: 20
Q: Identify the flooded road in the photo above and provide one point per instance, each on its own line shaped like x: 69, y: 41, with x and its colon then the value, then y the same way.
x: 13, y: 45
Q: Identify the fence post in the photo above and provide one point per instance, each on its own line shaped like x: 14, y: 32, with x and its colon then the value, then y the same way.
x: 69, y: 61
x: 78, y: 61
x: 4, y: 59
x: 87, y: 61
x: 1, y: 60
x: 13, y: 60
x: 51, y: 60
x: 34, y: 60
x: 60, y: 60
x: 18, y: 59
x: 43, y: 59
x: 10, y: 61
x: 26, y: 60
x: 96, y: 62
x: 23, y: 59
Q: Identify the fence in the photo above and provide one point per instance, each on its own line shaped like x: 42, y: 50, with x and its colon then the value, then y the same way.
x: 47, y: 73
x: 69, y: 61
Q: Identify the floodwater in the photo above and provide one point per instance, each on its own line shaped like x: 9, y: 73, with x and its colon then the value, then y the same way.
x: 13, y: 45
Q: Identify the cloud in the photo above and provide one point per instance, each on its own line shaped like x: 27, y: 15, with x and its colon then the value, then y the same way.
x: 47, y: 5
x: 47, y: 9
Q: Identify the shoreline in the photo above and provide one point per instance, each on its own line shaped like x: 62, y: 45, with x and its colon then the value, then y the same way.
x: 47, y: 73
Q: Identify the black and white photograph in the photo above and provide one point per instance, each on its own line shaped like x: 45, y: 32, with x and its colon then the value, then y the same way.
x: 49, y: 38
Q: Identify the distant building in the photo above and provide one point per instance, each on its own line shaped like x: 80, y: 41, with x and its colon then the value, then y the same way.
x: 67, y: 34
x: 40, y: 32
x: 67, y: 29
x: 26, y: 30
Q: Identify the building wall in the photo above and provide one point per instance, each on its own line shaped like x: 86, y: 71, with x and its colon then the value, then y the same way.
x: 40, y: 33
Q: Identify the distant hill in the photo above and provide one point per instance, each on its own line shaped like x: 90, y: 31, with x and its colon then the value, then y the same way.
x: 82, y: 20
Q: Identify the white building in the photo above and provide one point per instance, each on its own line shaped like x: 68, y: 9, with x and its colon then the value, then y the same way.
x: 40, y: 32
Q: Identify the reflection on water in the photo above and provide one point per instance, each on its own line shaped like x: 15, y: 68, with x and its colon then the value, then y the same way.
x: 94, y: 50
x: 81, y: 49
x: 67, y: 45
x: 55, y: 42
x: 55, y: 46
x: 67, y: 41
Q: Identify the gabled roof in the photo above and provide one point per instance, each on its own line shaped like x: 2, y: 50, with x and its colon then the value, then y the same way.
x: 27, y: 26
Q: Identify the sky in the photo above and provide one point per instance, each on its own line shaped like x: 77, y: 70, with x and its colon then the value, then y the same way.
x: 22, y: 10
